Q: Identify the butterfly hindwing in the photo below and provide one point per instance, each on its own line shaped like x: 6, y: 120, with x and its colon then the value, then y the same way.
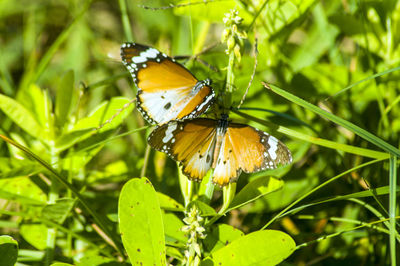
x: 229, y: 148
x: 247, y: 149
x: 166, y: 89
x: 190, y: 142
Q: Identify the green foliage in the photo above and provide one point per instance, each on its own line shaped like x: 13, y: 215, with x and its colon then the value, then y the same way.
x: 141, y: 224
x: 72, y: 141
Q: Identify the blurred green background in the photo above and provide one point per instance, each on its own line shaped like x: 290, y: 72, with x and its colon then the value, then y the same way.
x: 60, y: 66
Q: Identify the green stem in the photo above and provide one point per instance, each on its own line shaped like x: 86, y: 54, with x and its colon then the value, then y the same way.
x: 125, y: 21
x: 282, y: 213
x: 52, y: 198
x: 392, y: 207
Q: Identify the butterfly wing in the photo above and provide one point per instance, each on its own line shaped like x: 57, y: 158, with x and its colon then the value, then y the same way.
x: 190, y: 142
x: 249, y: 149
x: 166, y: 90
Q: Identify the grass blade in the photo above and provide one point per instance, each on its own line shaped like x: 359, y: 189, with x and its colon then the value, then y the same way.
x: 392, y: 207
x: 337, y: 120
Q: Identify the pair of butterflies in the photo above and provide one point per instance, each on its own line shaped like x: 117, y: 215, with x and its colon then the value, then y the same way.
x: 170, y: 96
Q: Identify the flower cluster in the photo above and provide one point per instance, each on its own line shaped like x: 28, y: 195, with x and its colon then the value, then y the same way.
x: 232, y: 35
x: 195, y: 231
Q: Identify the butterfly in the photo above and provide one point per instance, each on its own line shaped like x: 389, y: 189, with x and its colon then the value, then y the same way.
x: 229, y: 148
x: 166, y: 89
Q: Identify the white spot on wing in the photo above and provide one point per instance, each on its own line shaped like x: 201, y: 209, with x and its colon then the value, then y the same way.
x: 168, y: 133
x: 273, y: 147
x: 144, y: 56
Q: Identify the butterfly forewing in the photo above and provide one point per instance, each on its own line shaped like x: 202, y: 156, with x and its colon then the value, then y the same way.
x: 166, y: 89
x: 189, y: 142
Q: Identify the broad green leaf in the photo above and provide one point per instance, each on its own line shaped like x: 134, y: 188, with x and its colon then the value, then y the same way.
x: 23, y: 190
x: 8, y: 250
x: 141, y: 223
x: 254, y: 190
x: 35, y: 234
x: 267, y: 247
x: 61, y: 264
x: 58, y: 211
x: 172, y: 228
x: 168, y: 203
x: 21, y: 116
x: 64, y: 96
x: 104, y: 112
x: 220, y: 236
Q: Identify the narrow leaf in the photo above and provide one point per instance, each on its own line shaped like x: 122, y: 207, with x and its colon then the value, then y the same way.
x: 254, y: 190
x: 21, y: 116
x: 340, y: 121
x: 64, y: 97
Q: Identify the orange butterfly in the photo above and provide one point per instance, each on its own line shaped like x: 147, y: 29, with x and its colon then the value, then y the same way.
x: 229, y: 148
x: 166, y: 89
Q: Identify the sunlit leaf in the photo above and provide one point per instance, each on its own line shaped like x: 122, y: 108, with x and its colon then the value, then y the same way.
x: 267, y: 247
x: 141, y: 223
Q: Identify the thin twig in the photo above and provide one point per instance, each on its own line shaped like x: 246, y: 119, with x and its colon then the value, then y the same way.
x: 252, y: 75
x: 116, y: 114
x: 179, y: 5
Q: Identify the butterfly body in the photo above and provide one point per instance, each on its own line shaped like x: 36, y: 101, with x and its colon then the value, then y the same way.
x: 230, y: 148
x: 166, y: 90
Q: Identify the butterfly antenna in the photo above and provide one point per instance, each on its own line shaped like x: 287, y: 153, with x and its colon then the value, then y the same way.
x: 179, y: 5
x: 252, y: 75
x: 116, y: 114
x: 196, y: 56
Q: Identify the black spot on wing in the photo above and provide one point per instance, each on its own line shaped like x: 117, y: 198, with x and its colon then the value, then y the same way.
x: 167, y: 106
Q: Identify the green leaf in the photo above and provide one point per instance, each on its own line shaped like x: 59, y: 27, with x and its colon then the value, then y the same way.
x: 59, y: 211
x: 322, y: 33
x: 267, y: 247
x: 95, y: 260
x: 168, y: 203
x: 254, y: 190
x: 21, y: 116
x: 220, y: 236
x: 67, y: 140
x: 8, y: 250
x: 174, y: 253
x: 64, y: 98
x: 22, y: 190
x: 104, y: 112
x: 205, y: 209
x: 18, y: 168
x: 141, y: 223
x: 172, y: 228
x: 35, y: 234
